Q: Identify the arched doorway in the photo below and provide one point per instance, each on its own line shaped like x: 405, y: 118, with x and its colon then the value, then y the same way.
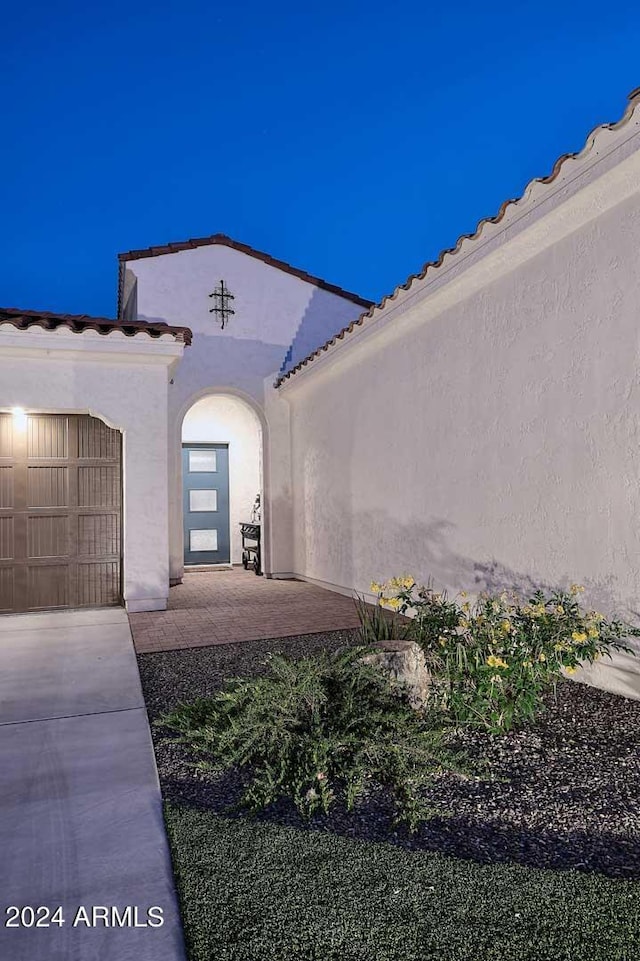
x: 222, y: 472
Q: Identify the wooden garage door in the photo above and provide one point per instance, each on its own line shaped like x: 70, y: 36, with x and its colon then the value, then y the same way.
x: 60, y: 512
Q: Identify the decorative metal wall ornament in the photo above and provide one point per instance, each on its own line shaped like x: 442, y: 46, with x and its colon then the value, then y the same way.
x: 222, y: 309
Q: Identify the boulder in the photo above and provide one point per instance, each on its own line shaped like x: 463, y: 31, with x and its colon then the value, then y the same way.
x: 404, y: 662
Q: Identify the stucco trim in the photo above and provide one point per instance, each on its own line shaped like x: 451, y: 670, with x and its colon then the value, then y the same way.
x: 538, y: 191
x: 62, y: 343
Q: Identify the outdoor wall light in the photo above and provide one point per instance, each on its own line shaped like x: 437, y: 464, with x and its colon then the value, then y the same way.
x: 19, y: 415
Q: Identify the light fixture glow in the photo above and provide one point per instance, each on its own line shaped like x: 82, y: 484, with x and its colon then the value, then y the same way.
x: 19, y: 416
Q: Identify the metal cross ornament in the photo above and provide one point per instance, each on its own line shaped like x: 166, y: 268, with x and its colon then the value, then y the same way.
x: 222, y: 298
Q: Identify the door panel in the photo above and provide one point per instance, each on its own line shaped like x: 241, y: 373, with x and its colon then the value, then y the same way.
x: 60, y: 513
x: 205, y: 503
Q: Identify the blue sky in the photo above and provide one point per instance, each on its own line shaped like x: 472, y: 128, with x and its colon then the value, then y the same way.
x: 355, y: 140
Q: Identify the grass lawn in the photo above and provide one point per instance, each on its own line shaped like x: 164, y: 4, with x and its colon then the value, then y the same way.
x: 256, y: 891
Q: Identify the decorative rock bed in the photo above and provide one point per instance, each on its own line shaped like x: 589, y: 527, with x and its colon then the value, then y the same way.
x: 572, y: 799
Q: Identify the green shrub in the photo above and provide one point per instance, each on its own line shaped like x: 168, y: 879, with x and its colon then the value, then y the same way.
x: 492, y: 660
x: 316, y: 729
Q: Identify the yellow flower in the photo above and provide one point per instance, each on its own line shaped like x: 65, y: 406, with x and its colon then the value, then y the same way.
x: 408, y: 582
x: 527, y: 609
x: 466, y: 607
x: 376, y: 588
x: 463, y: 623
x: 560, y: 609
x: 558, y: 647
x: 542, y: 656
x: 527, y: 664
x: 576, y: 589
x: 505, y: 626
x: 593, y: 632
x: 494, y: 661
x: 463, y: 593
x: 579, y: 636
x: 392, y: 602
x: 442, y: 641
x: 570, y: 670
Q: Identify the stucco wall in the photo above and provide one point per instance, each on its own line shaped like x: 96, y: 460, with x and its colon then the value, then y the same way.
x: 497, y: 443
x: 124, y: 382
x: 228, y: 420
x: 269, y: 307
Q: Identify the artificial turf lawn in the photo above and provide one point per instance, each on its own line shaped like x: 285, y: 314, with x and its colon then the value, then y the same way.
x: 253, y: 891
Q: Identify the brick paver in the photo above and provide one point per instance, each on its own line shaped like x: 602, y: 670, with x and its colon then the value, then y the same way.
x: 221, y: 607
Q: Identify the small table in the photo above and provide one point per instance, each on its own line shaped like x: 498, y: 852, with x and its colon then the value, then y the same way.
x: 251, y: 552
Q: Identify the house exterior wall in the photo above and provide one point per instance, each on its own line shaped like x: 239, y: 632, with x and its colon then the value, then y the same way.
x: 228, y: 420
x: 270, y: 305
x: 123, y: 381
x: 493, y: 443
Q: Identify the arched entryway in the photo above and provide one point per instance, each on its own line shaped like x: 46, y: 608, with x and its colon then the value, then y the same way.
x: 222, y: 473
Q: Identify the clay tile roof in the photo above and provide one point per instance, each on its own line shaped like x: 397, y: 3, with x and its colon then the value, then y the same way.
x: 22, y: 319
x: 175, y: 248
x: 633, y: 101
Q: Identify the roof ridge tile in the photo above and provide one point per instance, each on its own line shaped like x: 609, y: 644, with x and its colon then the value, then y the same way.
x: 176, y: 247
x: 22, y: 319
x: 633, y: 100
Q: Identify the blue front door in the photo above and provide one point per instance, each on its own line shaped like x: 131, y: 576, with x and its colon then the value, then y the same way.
x: 205, y: 472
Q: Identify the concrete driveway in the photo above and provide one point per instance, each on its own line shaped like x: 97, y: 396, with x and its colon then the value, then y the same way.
x: 80, y: 813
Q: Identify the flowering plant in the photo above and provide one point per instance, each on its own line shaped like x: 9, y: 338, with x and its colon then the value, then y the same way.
x: 491, y: 659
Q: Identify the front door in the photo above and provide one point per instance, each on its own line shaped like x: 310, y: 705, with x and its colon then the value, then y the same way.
x: 205, y: 505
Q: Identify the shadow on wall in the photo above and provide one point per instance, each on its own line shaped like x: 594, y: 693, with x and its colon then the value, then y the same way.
x: 423, y: 550
x: 323, y: 318
x: 223, y: 358
x: 319, y: 323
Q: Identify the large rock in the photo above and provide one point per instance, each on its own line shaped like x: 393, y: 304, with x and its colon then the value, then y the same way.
x: 405, y: 664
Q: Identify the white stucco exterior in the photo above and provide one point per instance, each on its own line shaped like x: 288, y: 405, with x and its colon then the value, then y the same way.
x: 225, y: 419
x: 122, y: 380
x: 480, y: 428
x: 271, y: 305
x: 483, y: 429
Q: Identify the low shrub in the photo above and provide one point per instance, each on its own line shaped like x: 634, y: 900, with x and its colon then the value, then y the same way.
x: 320, y: 728
x: 492, y: 660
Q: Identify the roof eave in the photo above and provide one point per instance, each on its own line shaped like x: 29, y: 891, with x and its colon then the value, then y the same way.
x: 451, y: 252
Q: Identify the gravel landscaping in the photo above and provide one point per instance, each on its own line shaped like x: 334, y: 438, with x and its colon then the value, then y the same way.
x: 572, y: 799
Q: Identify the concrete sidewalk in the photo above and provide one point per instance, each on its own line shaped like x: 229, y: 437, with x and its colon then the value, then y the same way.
x: 80, y: 812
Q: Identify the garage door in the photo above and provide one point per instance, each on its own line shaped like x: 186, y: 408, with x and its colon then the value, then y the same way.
x: 60, y: 512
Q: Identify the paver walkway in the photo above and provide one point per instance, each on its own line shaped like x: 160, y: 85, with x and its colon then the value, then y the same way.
x: 223, y: 606
x: 80, y: 810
